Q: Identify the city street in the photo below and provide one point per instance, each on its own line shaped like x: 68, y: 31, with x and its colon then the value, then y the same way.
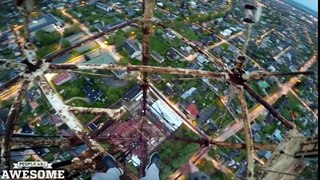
x: 99, y: 41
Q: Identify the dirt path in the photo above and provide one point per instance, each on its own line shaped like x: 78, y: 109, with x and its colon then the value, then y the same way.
x: 77, y: 98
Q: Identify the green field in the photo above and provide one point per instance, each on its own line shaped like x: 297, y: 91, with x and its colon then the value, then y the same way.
x: 158, y: 45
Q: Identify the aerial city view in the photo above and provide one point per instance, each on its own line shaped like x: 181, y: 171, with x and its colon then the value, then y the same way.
x: 159, y: 89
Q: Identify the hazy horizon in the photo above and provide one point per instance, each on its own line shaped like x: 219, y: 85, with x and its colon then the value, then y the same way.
x: 312, y: 4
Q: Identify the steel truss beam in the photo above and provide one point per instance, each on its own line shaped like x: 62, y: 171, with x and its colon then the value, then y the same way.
x: 10, y: 123
x: 67, y: 117
x: 274, y: 112
x: 143, y: 69
x: 248, y: 133
x: 112, y: 113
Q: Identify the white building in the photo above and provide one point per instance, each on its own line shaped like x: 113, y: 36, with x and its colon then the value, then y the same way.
x: 166, y: 115
x: 226, y: 33
x: 193, y: 4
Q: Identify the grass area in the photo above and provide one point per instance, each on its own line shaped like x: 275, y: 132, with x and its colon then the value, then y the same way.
x: 221, y: 109
x: 117, y: 39
x: 257, y: 89
x: 73, y: 29
x: 187, y: 33
x: 158, y: 45
x: 72, y: 89
x: 241, y: 156
x: 270, y: 129
x: 208, y: 168
x: 45, y: 50
x: 176, y: 42
x: 48, y: 129
x: 78, y: 103
x: 85, y: 118
x: 88, y: 47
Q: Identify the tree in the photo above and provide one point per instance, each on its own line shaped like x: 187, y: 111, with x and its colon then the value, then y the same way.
x: 206, y: 166
x: 46, y: 38
x: 114, y: 94
x: 71, y: 30
x: 93, y: 29
x: 212, y: 153
x: 65, y: 43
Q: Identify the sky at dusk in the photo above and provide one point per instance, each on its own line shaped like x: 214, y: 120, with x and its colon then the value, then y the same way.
x: 312, y: 4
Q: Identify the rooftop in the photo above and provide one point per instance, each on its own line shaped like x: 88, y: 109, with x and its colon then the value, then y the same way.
x: 42, y: 22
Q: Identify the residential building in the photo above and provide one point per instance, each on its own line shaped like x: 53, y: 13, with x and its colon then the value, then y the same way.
x: 132, y: 48
x: 169, y: 90
x: 168, y: 34
x: 277, y: 135
x: 226, y: 33
x: 172, y: 54
x: 265, y: 154
x: 62, y: 78
x: 165, y: 114
x: 188, y: 93
x: 157, y: 57
x: 257, y: 138
x: 263, y: 84
x: 48, y: 23
x: 193, y: 110
x: 205, y: 114
x: 94, y: 95
x: 104, y: 7
x: 202, y: 60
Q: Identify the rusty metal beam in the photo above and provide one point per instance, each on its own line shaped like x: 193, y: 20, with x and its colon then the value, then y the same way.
x: 96, y: 150
x: 143, y: 69
x: 148, y: 8
x: 10, y: 63
x: 91, y: 73
x: 248, y: 133
x: 102, y: 128
x: 278, y: 172
x: 10, y: 123
x: 112, y: 113
x: 69, y: 118
x: 287, y: 123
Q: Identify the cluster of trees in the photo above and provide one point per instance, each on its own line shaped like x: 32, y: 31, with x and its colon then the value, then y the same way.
x: 65, y: 43
x: 47, y: 38
x: 117, y: 39
x: 61, y: 16
x: 71, y: 30
x: 175, y: 153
